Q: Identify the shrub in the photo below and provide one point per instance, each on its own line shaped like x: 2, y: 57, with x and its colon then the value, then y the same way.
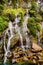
x: 33, y: 26
x: 3, y: 24
x: 34, y: 6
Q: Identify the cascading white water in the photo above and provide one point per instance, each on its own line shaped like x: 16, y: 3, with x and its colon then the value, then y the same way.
x: 17, y: 28
x: 38, y: 2
x: 4, y: 40
x: 11, y: 34
x: 5, y: 47
x: 25, y: 29
x: 38, y: 37
x: 7, y: 50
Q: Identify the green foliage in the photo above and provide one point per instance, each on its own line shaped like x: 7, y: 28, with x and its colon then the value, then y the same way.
x: 3, y: 24
x: 34, y: 6
x: 9, y: 14
x: 38, y: 18
x: 21, y: 18
x: 2, y: 1
x: 14, y: 2
x: 32, y: 13
x: 42, y: 10
x: 33, y: 26
x: 1, y: 9
x: 39, y: 28
x: 34, y: 20
x: 12, y: 12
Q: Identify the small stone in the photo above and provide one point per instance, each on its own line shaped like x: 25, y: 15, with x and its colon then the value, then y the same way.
x: 34, y: 61
x: 25, y: 58
x: 40, y: 61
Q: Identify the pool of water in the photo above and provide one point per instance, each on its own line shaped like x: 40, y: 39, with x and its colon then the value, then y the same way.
x: 8, y: 63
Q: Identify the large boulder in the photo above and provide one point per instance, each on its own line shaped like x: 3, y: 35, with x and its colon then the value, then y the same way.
x: 14, y: 40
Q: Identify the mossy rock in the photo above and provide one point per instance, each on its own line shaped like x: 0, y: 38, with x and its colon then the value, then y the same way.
x: 14, y: 40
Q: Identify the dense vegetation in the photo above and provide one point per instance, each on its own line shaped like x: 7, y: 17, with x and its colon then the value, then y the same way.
x: 9, y: 12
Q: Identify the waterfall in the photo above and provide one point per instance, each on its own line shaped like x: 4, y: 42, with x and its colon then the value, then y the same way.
x: 38, y: 37
x: 17, y: 28
x: 25, y: 29
x: 7, y: 50
x: 11, y: 33
x: 4, y: 40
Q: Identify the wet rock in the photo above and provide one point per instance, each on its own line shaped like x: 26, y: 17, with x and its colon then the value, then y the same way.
x: 1, y: 51
x: 9, y: 55
x: 29, y: 53
x: 40, y: 53
x: 40, y: 61
x: 1, y: 56
x: 24, y: 4
x: 35, y: 57
x: 1, y: 48
x: 34, y: 61
x: 14, y: 40
x: 18, y: 49
x: 1, y: 35
x: 40, y: 56
x: 16, y: 55
x: 25, y: 58
x: 36, y: 48
x: 13, y: 61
